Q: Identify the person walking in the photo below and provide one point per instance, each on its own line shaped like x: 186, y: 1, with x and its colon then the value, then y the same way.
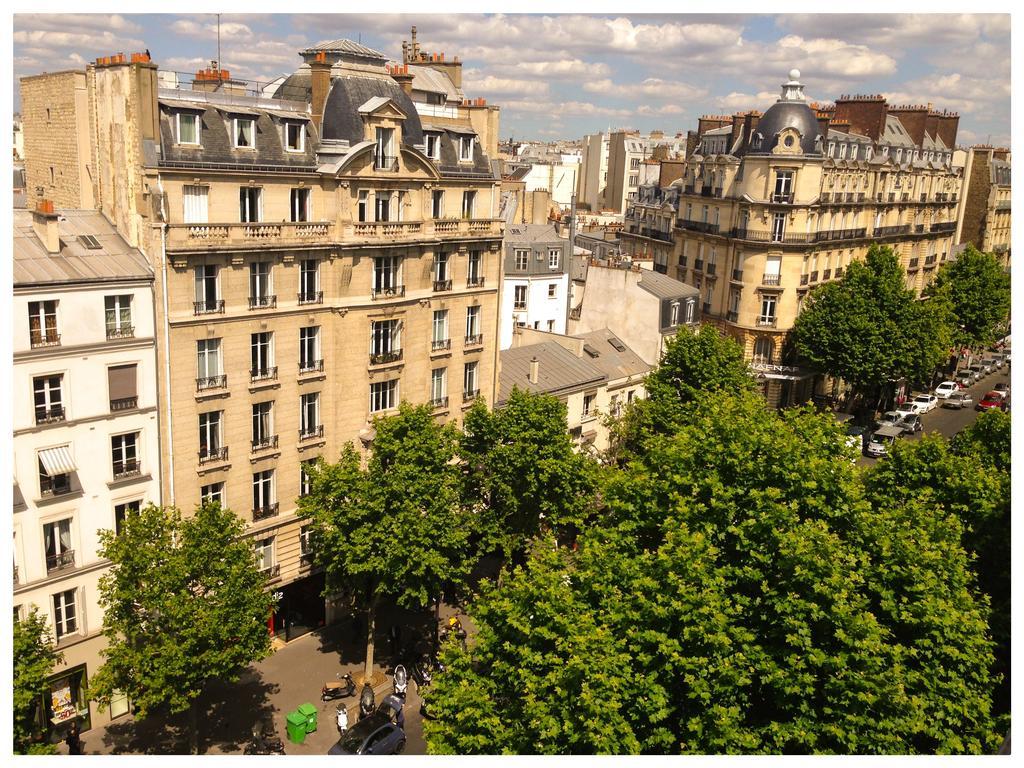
x: 73, y: 739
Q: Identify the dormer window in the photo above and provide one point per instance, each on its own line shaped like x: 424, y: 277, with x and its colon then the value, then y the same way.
x: 188, y: 128
x: 466, y: 148
x: 294, y: 137
x: 244, y: 132
x: 433, y: 145
x: 831, y: 149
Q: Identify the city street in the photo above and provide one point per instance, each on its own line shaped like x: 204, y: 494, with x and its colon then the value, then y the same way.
x: 949, y: 421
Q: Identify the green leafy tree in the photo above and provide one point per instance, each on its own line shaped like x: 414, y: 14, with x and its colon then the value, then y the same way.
x: 979, y: 290
x: 395, y: 529
x: 184, y: 604
x: 34, y: 659
x: 870, y: 330
x: 742, y: 594
x: 695, y: 364
x: 522, y: 472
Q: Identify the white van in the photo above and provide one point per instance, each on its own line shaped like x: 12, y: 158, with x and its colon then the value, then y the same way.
x: 880, y: 441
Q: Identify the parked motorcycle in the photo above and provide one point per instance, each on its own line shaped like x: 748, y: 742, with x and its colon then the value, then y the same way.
x: 366, y: 701
x: 401, y: 681
x: 423, y: 669
x: 262, y: 744
x: 337, y: 689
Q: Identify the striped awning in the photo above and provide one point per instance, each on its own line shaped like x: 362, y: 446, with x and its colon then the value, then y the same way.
x: 57, y: 461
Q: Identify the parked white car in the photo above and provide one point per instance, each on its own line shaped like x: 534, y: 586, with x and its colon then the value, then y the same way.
x: 908, y: 407
x: 925, y: 403
x: 946, y: 388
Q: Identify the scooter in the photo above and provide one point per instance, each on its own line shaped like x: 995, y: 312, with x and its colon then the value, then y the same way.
x: 401, y: 681
x: 423, y: 670
x: 337, y: 689
x: 366, y: 701
x: 261, y: 744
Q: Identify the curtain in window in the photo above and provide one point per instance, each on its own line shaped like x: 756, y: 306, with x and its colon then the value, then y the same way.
x: 196, y: 200
x: 245, y: 133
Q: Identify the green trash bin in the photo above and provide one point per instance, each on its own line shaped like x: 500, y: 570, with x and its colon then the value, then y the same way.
x: 308, y: 711
x: 296, y: 727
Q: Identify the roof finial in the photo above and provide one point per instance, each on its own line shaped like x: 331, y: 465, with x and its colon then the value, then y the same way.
x: 794, y: 89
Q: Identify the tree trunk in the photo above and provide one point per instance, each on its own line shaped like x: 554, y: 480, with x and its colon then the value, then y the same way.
x: 193, y: 726
x: 371, y: 622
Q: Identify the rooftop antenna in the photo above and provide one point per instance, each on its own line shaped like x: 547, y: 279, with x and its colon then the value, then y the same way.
x: 218, y: 42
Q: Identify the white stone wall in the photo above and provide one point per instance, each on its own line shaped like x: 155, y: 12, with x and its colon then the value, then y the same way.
x: 539, y: 308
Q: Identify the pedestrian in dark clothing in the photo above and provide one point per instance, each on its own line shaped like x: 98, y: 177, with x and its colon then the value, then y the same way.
x: 73, y: 740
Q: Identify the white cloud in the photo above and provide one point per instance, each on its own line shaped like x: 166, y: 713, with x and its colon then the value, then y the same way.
x: 954, y: 92
x: 651, y: 88
x: 228, y: 30
x: 491, y: 84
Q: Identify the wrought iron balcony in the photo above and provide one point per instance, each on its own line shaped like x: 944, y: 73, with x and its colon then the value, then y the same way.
x: 47, y: 339
x: 438, y: 345
x: 311, y: 297
x: 208, y: 306
x: 896, y: 229
x: 385, y: 163
x: 768, y: 321
x: 124, y: 403
x: 264, y: 443
x: 699, y: 226
x: 475, y: 282
x: 442, y: 285
x: 698, y: 264
x: 782, y: 197
x: 61, y: 560
x: 51, y: 415
x: 311, y: 366
x: 439, y: 402
x: 682, y: 261
x: 210, y: 455
x: 262, y: 513
x: 826, y: 275
x: 814, y: 276
x: 474, y: 339
x: 732, y: 316
x: 470, y: 394
x: 274, y: 571
x: 839, y: 272
x: 737, y: 275
x: 263, y: 374
x: 263, y: 302
x: 381, y: 358
x: 803, y: 279
x: 912, y: 265
x: 125, y: 469
x: 388, y: 292
x: 204, y: 383
x: 943, y: 226
x: 710, y: 268
x: 311, y: 433
x: 123, y: 332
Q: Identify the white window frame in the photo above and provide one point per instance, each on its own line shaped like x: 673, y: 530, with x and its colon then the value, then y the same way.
x: 301, y: 127
x: 265, y: 552
x: 522, y: 257
x: 199, y: 128
x: 124, y: 444
x: 60, y: 614
x: 554, y: 258
x: 300, y: 204
x: 208, y: 350
x: 552, y: 290
x: 117, y: 304
x: 199, y: 211
x: 437, y: 204
x: 466, y: 148
x: 245, y: 205
x: 438, y: 384
x: 309, y: 341
x: 309, y: 408
x: 235, y: 123
x: 471, y: 375
x: 212, y: 430
x: 439, y: 327
x: 265, y: 481
x: 262, y: 421
x: 520, y: 297
x: 473, y: 320
x: 213, y: 492
x: 386, y: 395
x: 432, y: 138
x: 468, y: 203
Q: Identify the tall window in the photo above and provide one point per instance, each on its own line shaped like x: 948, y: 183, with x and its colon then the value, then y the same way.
x: 519, y: 298
x: 261, y: 348
x: 265, y: 554
x: 385, y: 274
x: 439, y: 335
x: 122, y: 511
x: 778, y: 227
x: 466, y: 148
x: 473, y: 269
x: 48, y: 397
x: 55, y: 484
x: 118, y: 310
x: 259, y: 283
x: 210, y: 435
x: 208, y: 358
x: 305, y: 486
x: 57, y: 536
x: 433, y: 145
x: 214, y: 492
x: 382, y: 206
x: 300, y: 197
x: 65, y: 613
x: 188, y: 128
x: 250, y: 204
x: 764, y: 349
x: 263, y: 425
x: 263, y: 490
x: 306, y: 539
x: 294, y: 137
x: 437, y: 203
x: 783, y: 185
x: 309, y: 415
x: 554, y: 257
x: 691, y: 308
x: 472, y: 324
x: 470, y: 382
x: 195, y: 199
x: 441, y: 267
x: 42, y: 322
x: 522, y: 260
x: 674, y: 313
x: 124, y: 454
x: 309, y: 281
x: 363, y: 205
x: 384, y: 155
x: 383, y: 395
x: 468, y: 204
x: 768, y: 308
x: 206, y: 289
x: 309, y: 348
x: 245, y: 133
x: 438, y: 385
x: 384, y: 340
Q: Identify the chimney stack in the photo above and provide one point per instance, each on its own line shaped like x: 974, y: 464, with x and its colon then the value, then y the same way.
x: 534, y: 370
x: 320, y: 81
x: 44, y: 224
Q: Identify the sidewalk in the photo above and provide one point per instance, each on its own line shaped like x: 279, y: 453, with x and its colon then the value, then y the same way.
x: 269, y: 690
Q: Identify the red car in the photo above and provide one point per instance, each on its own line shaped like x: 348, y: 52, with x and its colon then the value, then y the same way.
x: 991, y: 400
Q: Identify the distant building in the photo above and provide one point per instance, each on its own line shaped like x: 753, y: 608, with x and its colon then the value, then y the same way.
x: 86, y: 449
x: 984, y: 214
x: 592, y: 179
x: 19, y: 139
x: 535, y: 280
x: 626, y: 155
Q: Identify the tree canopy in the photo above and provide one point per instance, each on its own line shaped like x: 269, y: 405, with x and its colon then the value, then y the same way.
x: 35, y: 656
x: 979, y: 291
x: 395, y: 528
x: 184, y: 603
x: 741, y: 593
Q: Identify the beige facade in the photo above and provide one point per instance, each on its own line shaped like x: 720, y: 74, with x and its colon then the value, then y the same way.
x: 984, y: 212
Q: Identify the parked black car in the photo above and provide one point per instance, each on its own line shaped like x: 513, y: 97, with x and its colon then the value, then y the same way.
x: 373, y: 735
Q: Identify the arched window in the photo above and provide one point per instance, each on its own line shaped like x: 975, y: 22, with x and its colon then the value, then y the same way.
x: 764, y: 349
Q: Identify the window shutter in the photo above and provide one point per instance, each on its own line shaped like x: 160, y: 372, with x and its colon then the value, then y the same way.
x: 121, y: 380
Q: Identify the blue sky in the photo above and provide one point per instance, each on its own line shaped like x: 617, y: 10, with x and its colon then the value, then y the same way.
x: 564, y: 75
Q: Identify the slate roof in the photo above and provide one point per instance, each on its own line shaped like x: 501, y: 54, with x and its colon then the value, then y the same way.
x: 343, y: 45
x: 665, y: 287
x: 895, y: 133
x: 432, y: 81
x: 560, y: 371
x: 614, y: 363
x: 532, y: 233
x: 114, y: 260
x: 350, y: 92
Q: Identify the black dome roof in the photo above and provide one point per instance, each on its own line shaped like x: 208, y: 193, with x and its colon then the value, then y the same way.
x: 790, y: 111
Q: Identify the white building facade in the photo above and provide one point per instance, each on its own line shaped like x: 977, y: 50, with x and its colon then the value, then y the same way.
x: 535, y: 281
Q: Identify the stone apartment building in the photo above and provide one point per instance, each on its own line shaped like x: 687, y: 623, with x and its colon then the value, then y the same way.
x: 86, y: 449
x: 322, y: 252
x: 984, y: 213
x: 535, y: 283
x: 611, y: 169
x: 772, y: 205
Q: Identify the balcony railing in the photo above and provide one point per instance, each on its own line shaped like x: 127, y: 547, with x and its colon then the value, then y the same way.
x: 698, y: 264
x: 737, y: 275
x: 710, y: 268
x: 262, y: 302
x: 782, y: 197
x: 913, y: 263
x: 767, y: 321
x: 208, y: 306
x: 311, y: 366
x: 474, y: 339
x: 126, y: 469
x: 771, y: 279
x: 61, y: 560
x: 442, y: 285
x: 385, y: 163
x: 54, y: 485
x: 929, y: 260
x: 764, y: 236
x: 943, y: 226
x: 803, y: 279
x: 123, y: 332
x: 204, y: 383
x: 439, y: 402
x: 311, y: 433
x: 264, y: 443
x: 840, y: 234
x: 839, y: 272
x: 47, y: 339
x: 191, y: 236
x: 470, y: 394
x: 311, y: 297
x: 124, y: 403
x: 262, y: 513
x: 388, y: 292
x: 682, y: 261
x: 211, y: 455
x: 50, y: 415
x: 896, y: 229
x: 732, y: 316
x: 389, y: 229
x: 919, y: 229
x: 263, y: 374
x: 475, y: 282
x: 438, y: 345
x: 381, y: 358
x: 826, y: 275
x: 274, y: 571
x: 699, y: 226
x: 814, y: 276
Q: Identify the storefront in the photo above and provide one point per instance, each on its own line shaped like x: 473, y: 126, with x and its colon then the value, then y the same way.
x: 300, y: 608
x: 65, y: 703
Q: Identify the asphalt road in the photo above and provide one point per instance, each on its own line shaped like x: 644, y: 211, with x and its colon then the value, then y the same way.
x: 949, y: 421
